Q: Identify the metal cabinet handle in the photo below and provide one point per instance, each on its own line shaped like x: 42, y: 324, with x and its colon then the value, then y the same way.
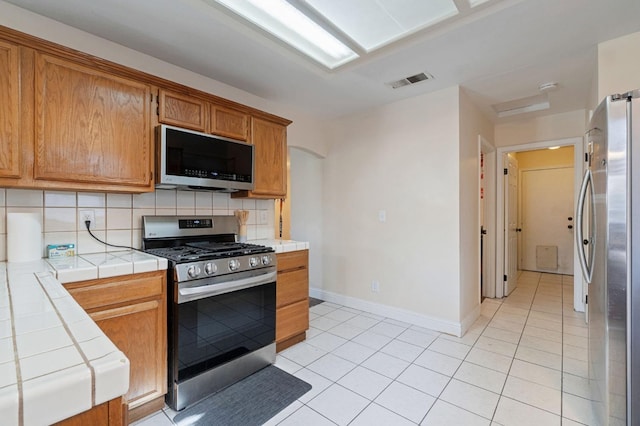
x: 582, y: 255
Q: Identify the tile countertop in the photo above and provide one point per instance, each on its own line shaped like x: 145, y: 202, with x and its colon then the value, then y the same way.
x: 282, y: 246
x: 54, y: 360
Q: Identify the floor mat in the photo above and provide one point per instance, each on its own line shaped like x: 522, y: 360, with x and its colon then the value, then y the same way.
x: 251, y: 401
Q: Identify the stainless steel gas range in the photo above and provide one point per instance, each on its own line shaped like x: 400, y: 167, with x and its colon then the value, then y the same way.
x: 221, y: 303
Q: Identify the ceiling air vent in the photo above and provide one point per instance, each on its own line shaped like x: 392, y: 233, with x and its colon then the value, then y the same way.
x: 410, y: 80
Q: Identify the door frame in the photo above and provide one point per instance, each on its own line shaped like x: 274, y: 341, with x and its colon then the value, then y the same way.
x: 578, y: 158
x: 489, y: 151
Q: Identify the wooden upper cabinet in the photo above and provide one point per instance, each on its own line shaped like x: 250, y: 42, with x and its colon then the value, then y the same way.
x: 182, y: 110
x: 270, y: 173
x: 91, y: 127
x: 71, y: 121
x: 229, y: 123
x: 9, y: 111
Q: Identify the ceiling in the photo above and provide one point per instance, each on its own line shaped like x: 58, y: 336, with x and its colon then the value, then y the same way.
x: 500, y: 51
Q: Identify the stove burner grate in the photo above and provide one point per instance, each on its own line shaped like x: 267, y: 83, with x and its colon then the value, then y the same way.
x: 205, y: 250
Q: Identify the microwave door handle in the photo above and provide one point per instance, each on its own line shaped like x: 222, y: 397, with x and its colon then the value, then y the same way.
x: 582, y: 256
x: 200, y: 292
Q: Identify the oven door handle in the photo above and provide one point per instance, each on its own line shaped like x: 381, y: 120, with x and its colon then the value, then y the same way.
x: 192, y: 293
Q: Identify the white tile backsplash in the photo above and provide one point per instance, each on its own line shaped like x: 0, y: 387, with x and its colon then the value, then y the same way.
x: 204, y: 200
x: 118, y: 217
x: 166, y: 199
x: 24, y: 198
x: 185, y: 198
x: 59, y: 199
x: 221, y: 201
x: 119, y: 200
x: 91, y: 199
x: 59, y: 219
x: 145, y: 200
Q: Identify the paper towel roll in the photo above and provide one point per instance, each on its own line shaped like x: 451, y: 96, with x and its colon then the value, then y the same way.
x: 24, y: 237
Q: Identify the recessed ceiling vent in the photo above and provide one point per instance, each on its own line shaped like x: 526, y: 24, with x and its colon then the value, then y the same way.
x: 410, y: 80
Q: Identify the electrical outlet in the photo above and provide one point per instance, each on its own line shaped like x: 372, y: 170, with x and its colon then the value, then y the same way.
x: 382, y: 216
x: 375, y: 286
x: 89, y: 215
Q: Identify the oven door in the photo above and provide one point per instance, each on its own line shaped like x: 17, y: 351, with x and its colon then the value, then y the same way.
x: 213, y: 323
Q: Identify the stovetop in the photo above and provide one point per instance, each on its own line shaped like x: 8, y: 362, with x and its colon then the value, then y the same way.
x: 206, y: 250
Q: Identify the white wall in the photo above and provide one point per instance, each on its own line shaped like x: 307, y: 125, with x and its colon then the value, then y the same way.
x: 305, y: 132
x: 472, y: 124
x: 305, y: 193
x: 401, y: 158
x: 550, y: 127
x: 619, y: 65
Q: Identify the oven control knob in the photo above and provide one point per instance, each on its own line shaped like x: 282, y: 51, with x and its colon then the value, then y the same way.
x: 210, y: 268
x: 234, y: 264
x: 266, y: 259
x: 254, y: 261
x: 193, y: 271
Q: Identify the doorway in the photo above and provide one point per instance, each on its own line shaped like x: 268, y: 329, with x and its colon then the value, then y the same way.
x: 487, y: 217
x: 546, y: 219
x: 527, y: 154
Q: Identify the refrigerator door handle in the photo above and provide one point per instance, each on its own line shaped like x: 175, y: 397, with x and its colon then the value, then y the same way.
x: 587, y: 269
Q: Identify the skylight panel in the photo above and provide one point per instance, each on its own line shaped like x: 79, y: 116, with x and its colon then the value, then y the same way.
x: 287, y: 23
x: 375, y: 23
x: 475, y: 3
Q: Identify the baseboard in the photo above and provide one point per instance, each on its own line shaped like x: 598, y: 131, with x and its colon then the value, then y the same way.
x: 468, y: 321
x: 387, y: 311
x: 146, y: 409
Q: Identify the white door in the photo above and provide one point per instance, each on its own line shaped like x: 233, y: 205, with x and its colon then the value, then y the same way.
x: 511, y: 224
x: 547, y: 220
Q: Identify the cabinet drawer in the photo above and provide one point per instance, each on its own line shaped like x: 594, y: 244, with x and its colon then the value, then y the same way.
x: 292, y: 286
x: 110, y: 291
x: 293, y: 260
x: 292, y: 319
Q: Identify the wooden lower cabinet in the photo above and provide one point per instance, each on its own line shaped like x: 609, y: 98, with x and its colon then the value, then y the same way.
x: 131, y: 311
x: 292, y: 298
x: 110, y: 413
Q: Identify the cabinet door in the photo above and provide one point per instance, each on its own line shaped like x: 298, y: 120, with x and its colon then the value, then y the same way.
x: 9, y: 111
x: 91, y: 127
x: 270, y: 140
x: 131, y: 311
x: 138, y: 331
x: 229, y: 123
x: 181, y: 110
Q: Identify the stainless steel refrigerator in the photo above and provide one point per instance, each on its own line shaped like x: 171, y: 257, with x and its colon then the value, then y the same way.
x: 608, y: 238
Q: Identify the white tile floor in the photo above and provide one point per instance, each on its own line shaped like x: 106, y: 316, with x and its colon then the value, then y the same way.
x: 523, y: 362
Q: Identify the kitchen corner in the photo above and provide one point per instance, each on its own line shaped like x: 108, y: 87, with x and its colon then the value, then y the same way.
x: 55, y: 362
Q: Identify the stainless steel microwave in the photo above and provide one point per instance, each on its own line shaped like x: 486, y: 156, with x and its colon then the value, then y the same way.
x: 186, y: 159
